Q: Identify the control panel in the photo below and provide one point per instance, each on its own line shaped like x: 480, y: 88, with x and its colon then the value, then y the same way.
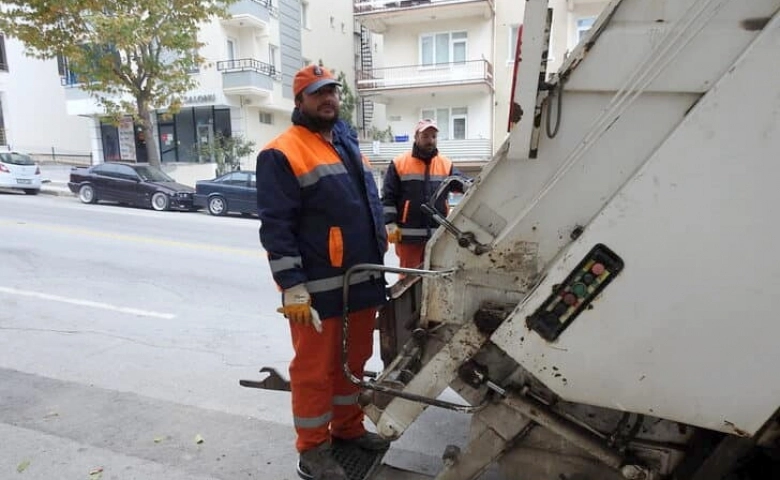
x: 576, y: 293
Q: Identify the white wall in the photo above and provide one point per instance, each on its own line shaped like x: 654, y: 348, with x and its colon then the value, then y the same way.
x: 34, y: 106
x: 478, y: 123
x: 402, y: 45
x: 331, y: 43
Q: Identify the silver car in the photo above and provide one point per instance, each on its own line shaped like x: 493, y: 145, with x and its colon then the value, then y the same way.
x: 20, y: 172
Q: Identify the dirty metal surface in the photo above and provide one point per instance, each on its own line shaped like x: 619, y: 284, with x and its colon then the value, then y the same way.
x: 359, y: 464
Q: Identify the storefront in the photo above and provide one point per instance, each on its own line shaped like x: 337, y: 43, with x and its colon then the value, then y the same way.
x: 182, y: 137
x: 124, y: 142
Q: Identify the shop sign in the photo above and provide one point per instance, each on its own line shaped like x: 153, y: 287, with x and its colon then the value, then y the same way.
x: 126, y: 131
x: 200, y: 98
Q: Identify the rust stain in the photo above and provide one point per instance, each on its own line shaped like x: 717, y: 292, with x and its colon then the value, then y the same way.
x: 737, y: 431
x: 754, y: 24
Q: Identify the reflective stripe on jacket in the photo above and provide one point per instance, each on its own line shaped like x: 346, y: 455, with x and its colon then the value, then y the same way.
x: 409, y: 183
x: 321, y: 214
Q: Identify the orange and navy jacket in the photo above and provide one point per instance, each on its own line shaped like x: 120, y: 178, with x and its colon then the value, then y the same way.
x: 320, y: 214
x: 409, y: 183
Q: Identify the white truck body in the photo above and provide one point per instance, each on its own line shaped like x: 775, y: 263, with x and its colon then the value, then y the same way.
x: 667, y: 152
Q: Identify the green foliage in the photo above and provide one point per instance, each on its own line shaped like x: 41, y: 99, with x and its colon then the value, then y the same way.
x: 385, y: 135
x: 348, y: 101
x: 226, y: 152
x: 132, y: 56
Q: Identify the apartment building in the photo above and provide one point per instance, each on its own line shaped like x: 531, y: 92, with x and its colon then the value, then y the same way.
x: 452, y: 61
x: 33, y: 118
x: 246, y: 87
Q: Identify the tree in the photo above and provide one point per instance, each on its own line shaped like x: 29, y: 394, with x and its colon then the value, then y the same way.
x: 348, y: 101
x: 226, y: 152
x: 132, y: 56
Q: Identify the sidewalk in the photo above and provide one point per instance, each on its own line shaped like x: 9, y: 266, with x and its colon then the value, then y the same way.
x: 55, y: 179
x: 55, y: 188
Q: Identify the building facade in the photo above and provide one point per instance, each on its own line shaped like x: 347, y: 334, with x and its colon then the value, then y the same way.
x: 33, y: 117
x: 452, y: 61
x: 246, y: 88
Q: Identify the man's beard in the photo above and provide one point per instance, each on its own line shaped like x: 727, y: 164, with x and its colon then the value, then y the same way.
x: 317, y: 123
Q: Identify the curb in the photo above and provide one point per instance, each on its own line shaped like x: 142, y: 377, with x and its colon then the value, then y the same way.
x: 56, y: 192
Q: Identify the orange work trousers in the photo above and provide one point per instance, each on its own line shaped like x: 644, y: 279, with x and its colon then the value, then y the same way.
x: 410, y: 255
x: 324, y: 402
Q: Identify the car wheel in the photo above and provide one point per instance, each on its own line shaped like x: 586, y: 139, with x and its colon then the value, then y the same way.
x: 217, y: 205
x: 87, y: 194
x: 160, y: 202
x: 31, y: 191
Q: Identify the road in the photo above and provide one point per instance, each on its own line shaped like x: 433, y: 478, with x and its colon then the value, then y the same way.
x: 123, y: 334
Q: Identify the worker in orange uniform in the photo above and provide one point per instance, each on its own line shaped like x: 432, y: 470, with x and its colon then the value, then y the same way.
x: 410, y: 181
x: 321, y: 214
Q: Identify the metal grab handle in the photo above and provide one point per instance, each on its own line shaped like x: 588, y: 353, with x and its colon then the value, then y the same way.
x: 464, y: 239
x: 345, y: 341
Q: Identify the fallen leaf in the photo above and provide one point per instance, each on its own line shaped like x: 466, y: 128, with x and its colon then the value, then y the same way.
x: 158, y: 439
x: 51, y: 415
x: 23, y: 466
x: 96, y: 473
x: 199, y: 439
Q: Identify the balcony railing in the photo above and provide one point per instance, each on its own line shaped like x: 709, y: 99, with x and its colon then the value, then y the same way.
x: 468, y: 150
x: 248, y: 65
x: 376, y: 6
x: 247, y: 76
x: 439, y: 74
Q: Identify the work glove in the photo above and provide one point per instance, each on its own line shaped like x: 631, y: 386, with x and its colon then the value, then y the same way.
x: 296, y: 306
x: 393, y: 233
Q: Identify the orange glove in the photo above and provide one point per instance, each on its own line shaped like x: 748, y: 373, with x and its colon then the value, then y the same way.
x: 393, y: 233
x: 296, y: 305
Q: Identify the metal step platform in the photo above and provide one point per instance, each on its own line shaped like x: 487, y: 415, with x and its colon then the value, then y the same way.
x: 358, y: 463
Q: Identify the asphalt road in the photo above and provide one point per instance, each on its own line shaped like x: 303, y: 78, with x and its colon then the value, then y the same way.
x: 123, y: 334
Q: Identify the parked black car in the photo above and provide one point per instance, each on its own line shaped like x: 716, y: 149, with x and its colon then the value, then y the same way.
x: 232, y: 192
x: 136, y: 184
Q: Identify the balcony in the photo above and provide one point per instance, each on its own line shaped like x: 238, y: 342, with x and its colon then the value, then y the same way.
x: 251, y: 14
x: 476, y: 150
x: 451, y: 76
x: 381, y: 15
x: 249, y: 77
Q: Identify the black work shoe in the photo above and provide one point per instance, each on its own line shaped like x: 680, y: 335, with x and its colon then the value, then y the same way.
x: 368, y: 441
x: 318, y: 464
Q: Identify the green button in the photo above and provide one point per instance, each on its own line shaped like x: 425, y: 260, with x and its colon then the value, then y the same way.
x: 579, y: 289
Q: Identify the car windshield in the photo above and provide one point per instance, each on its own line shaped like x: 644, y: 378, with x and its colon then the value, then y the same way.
x: 16, y: 159
x: 152, y: 174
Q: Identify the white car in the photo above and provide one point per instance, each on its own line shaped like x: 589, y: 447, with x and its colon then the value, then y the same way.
x: 19, y: 171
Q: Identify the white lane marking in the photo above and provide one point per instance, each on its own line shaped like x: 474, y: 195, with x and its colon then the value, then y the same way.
x: 87, y: 303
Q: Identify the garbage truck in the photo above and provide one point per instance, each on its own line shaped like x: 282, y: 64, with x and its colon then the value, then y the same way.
x: 602, y: 297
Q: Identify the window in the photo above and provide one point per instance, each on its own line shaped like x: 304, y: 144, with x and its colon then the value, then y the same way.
x: 273, y: 57
x: 3, y: 57
x: 514, y: 30
x: 195, y: 68
x: 240, y: 179
x: 583, y: 25
x: 110, y: 170
x: 459, y: 123
x: 445, y: 47
x: 125, y: 173
x: 3, y: 139
x: 267, y: 118
x: 451, y: 121
x: 231, y: 48
x: 305, y: 14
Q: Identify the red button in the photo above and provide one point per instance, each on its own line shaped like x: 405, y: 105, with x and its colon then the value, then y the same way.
x: 597, y: 269
x: 570, y: 299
